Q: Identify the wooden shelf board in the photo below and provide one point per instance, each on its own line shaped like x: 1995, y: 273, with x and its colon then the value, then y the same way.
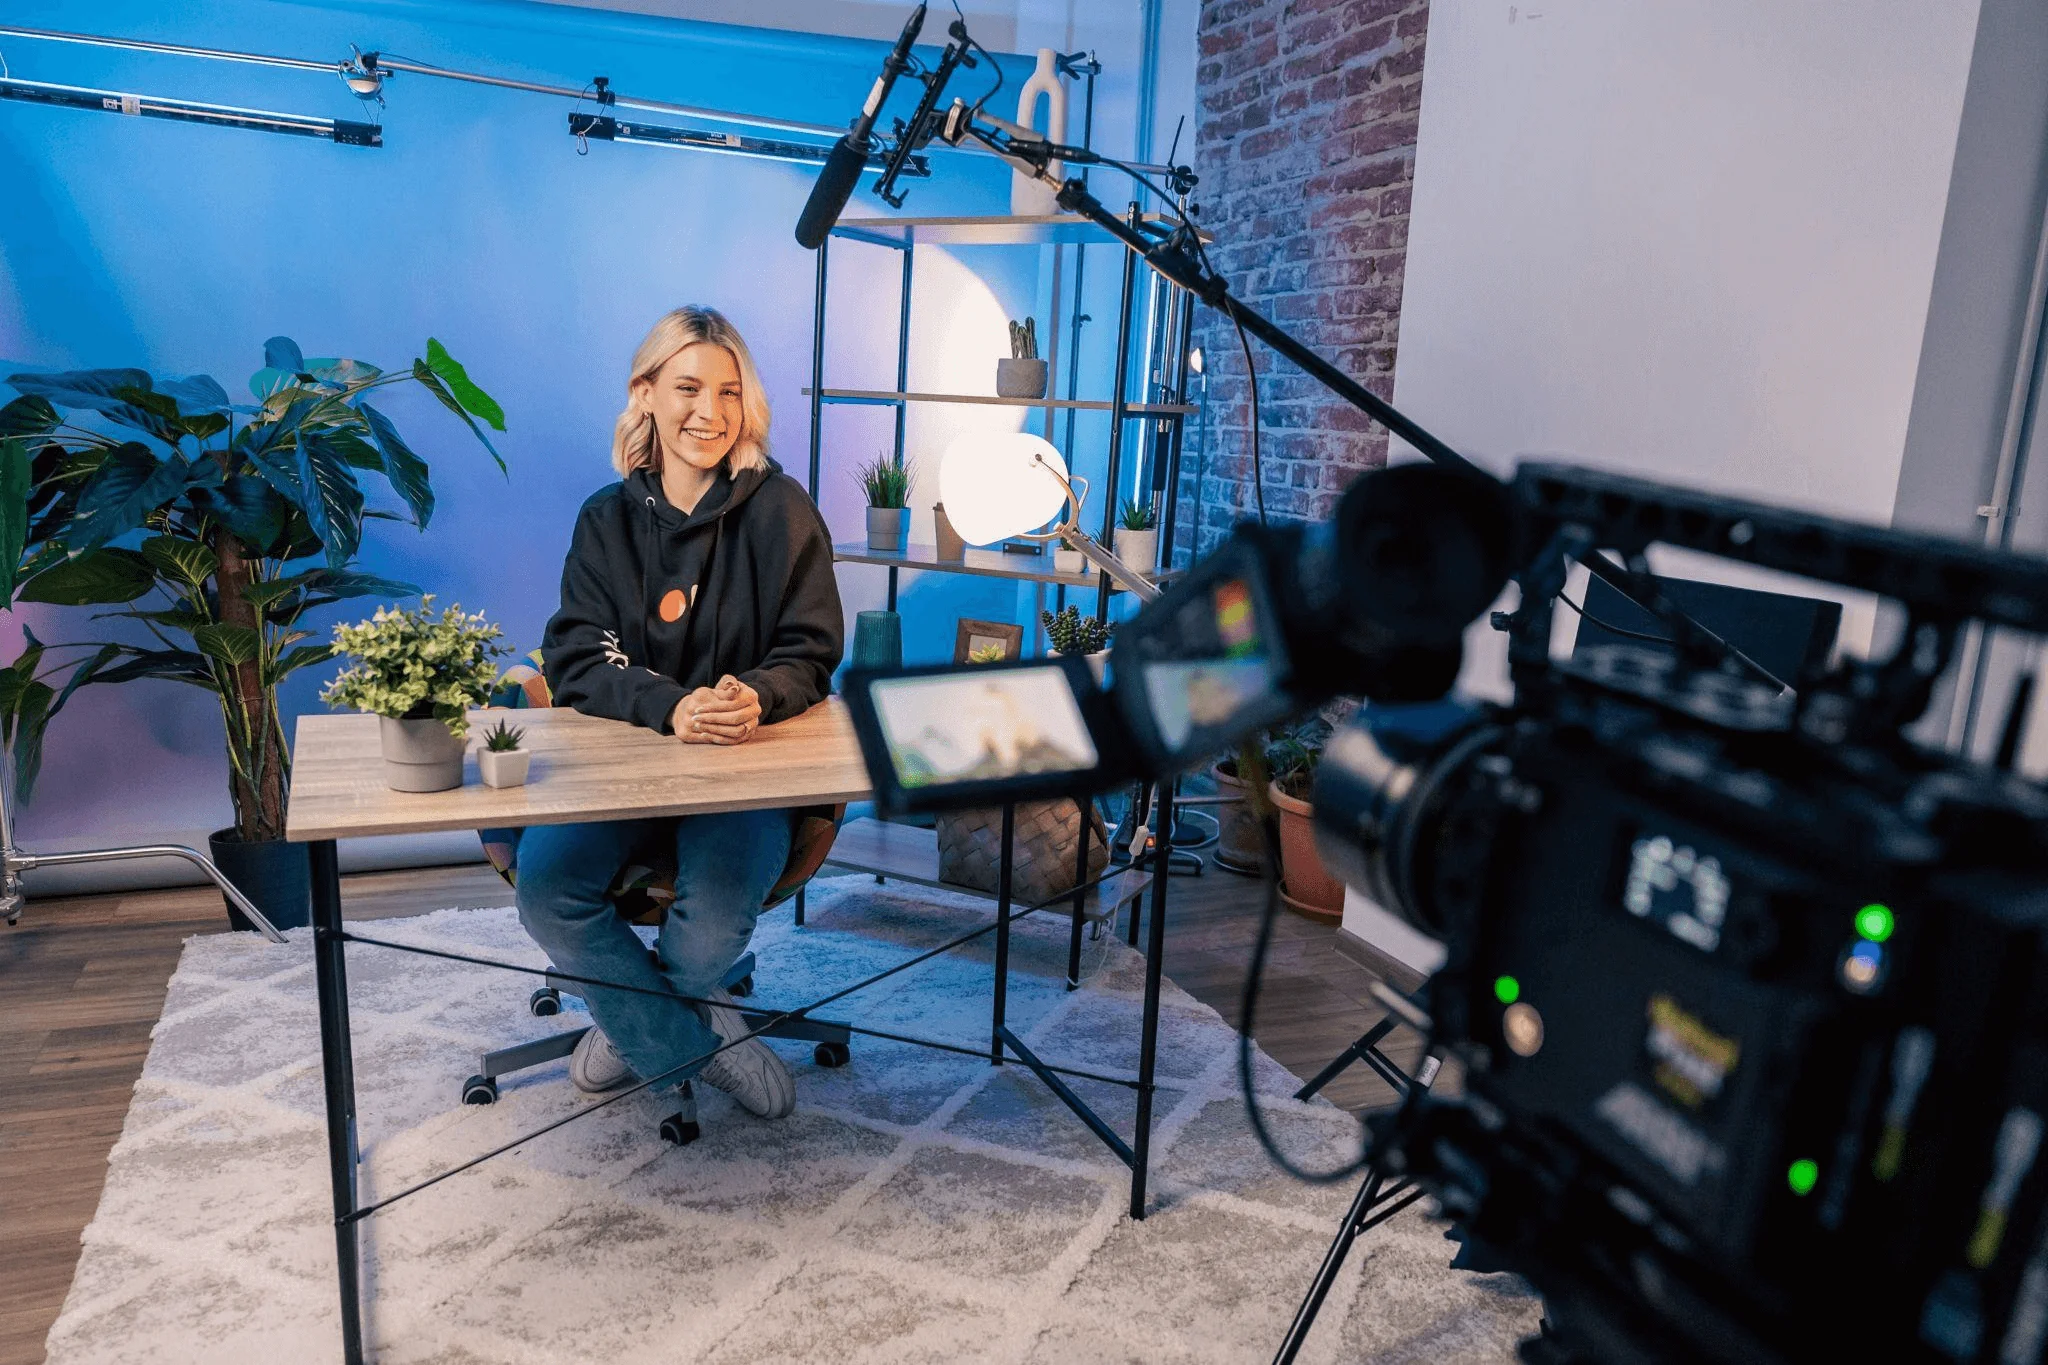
x: 910, y: 854
x: 983, y: 563
x: 890, y: 398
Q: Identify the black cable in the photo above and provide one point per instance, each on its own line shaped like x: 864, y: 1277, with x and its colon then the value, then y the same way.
x: 994, y: 65
x: 1614, y: 629
x: 1251, y: 374
x: 1247, y: 1009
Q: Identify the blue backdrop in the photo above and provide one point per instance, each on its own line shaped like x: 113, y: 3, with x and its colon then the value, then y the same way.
x: 180, y: 248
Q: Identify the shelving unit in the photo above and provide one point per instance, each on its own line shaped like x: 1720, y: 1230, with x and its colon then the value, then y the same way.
x: 1164, y: 369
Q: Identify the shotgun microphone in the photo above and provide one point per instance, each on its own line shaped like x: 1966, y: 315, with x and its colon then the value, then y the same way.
x: 850, y: 154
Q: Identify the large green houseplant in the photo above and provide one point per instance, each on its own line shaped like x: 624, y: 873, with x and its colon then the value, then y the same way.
x: 217, y: 525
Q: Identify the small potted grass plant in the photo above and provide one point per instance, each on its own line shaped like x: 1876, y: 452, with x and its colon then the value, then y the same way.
x: 1136, y: 540
x: 1072, y: 634
x: 419, y: 672
x: 501, y: 762
x: 887, y: 486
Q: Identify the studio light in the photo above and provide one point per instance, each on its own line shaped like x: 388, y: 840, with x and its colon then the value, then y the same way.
x: 190, y: 111
x: 999, y: 485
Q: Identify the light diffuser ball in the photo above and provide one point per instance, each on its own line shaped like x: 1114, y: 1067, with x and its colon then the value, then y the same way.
x: 994, y: 486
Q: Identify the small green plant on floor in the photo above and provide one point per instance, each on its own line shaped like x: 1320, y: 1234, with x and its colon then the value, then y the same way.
x: 1072, y: 633
x: 416, y: 664
x: 1292, y: 755
x: 503, y: 738
x: 886, y: 483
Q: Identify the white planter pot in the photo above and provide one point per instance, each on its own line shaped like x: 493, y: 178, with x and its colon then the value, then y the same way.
x: 503, y: 768
x: 1069, y: 561
x: 1098, y: 663
x: 419, y: 755
x: 1139, y: 549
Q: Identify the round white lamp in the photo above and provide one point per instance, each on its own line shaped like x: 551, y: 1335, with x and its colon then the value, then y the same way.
x: 999, y: 485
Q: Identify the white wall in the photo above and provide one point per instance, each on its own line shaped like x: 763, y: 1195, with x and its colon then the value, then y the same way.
x: 1690, y: 240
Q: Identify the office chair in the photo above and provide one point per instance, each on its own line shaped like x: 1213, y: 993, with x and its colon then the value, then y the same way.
x: 642, y: 893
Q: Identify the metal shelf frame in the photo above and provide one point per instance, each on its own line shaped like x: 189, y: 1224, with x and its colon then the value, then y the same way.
x: 1165, y: 370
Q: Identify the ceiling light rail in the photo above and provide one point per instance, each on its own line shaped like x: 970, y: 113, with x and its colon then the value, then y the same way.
x: 365, y: 73
x: 343, y: 131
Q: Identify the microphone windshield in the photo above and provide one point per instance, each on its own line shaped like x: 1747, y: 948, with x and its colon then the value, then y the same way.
x: 828, y: 197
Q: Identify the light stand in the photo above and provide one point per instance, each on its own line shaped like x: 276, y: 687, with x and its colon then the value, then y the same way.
x: 14, y: 862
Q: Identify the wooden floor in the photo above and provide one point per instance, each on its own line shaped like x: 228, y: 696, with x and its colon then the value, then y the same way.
x: 82, y: 981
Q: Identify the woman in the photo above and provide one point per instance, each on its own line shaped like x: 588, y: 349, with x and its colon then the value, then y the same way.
x: 697, y: 600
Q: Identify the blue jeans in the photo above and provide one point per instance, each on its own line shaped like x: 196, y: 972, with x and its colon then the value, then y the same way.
x: 725, y: 865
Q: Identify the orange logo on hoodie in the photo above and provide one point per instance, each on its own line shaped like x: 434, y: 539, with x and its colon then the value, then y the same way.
x: 675, y: 602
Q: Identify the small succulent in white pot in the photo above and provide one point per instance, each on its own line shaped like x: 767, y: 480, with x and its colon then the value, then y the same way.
x: 501, y: 762
x: 1071, y: 633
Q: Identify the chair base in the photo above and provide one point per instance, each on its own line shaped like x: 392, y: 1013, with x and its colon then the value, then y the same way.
x: 833, y: 1047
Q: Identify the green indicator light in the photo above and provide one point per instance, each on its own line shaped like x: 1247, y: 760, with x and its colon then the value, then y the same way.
x: 1507, y: 990
x: 1803, y: 1174
x: 1875, y: 922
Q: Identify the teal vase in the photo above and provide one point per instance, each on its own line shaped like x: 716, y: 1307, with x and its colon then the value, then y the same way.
x: 878, y: 640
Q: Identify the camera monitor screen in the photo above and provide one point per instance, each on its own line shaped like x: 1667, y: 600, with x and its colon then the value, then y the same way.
x: 1203, y: 664
x: 982, y: 725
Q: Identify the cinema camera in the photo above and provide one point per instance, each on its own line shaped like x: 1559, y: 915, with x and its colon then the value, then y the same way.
x: 1748, y: 986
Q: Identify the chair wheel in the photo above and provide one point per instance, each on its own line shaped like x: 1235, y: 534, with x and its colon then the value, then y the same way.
x: 544, y: 1002
x: 679, y: 1130
x: 480, y: 1090
x: 832, y: 1054
x: 743, y: 986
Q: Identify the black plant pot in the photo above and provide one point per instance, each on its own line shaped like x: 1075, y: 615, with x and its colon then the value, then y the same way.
x: 276, y: 877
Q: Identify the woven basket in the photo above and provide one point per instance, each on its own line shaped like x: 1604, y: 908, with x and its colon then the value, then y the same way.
x: 971, y: 849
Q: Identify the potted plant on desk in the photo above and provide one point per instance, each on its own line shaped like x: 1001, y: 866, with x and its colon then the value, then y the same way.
x: 887, y: 486
x: 241, y: 517
x: 419, y: 674
x: 501, y: 762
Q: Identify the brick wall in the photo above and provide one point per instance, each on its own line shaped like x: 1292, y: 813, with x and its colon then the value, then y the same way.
x: 1305, y: 143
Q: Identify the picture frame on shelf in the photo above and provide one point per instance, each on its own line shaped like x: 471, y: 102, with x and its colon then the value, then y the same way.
x: 971, y: 637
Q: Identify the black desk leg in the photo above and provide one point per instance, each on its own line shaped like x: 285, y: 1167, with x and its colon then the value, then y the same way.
x: 1086, y: 805
x: 337, y: 1067
x: 1004, y: 867
x: 1148, y: 1040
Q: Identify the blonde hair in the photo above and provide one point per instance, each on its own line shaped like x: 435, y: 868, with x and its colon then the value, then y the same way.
x: 634, y: 442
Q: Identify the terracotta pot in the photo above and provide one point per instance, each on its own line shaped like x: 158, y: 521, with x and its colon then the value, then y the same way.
x: 1305, y: 884
x: 1239, y: 846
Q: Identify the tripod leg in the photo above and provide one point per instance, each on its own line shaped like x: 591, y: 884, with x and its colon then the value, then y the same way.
x: 1326, y: 1274
x: 1345, y: 1058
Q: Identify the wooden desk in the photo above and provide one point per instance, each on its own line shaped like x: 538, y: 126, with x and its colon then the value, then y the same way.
x: 586, y: 769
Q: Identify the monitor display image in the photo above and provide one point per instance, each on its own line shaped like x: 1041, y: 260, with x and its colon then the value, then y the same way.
x: 982, y: 725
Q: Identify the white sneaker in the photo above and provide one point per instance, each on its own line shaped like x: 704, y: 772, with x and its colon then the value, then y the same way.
x: 749, y: 1072
x: 596, y: 1066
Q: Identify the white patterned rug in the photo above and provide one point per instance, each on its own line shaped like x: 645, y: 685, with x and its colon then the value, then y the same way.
x: 918, y: 1206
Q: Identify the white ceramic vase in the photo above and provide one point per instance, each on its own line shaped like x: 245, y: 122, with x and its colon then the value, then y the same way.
x: 1034, y: 198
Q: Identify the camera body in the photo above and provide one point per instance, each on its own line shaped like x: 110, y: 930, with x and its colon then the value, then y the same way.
x: 1750, y: 991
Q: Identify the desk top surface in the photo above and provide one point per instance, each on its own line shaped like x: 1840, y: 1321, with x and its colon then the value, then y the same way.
x: 583, y: 769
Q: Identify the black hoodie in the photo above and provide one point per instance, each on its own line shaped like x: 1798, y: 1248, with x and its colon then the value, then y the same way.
x: 656, y: 604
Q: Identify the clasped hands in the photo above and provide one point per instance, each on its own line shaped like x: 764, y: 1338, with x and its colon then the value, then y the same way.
x: 726, y: 714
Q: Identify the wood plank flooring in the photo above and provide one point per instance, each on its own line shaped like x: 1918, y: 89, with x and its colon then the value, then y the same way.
x: 82, y: 981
